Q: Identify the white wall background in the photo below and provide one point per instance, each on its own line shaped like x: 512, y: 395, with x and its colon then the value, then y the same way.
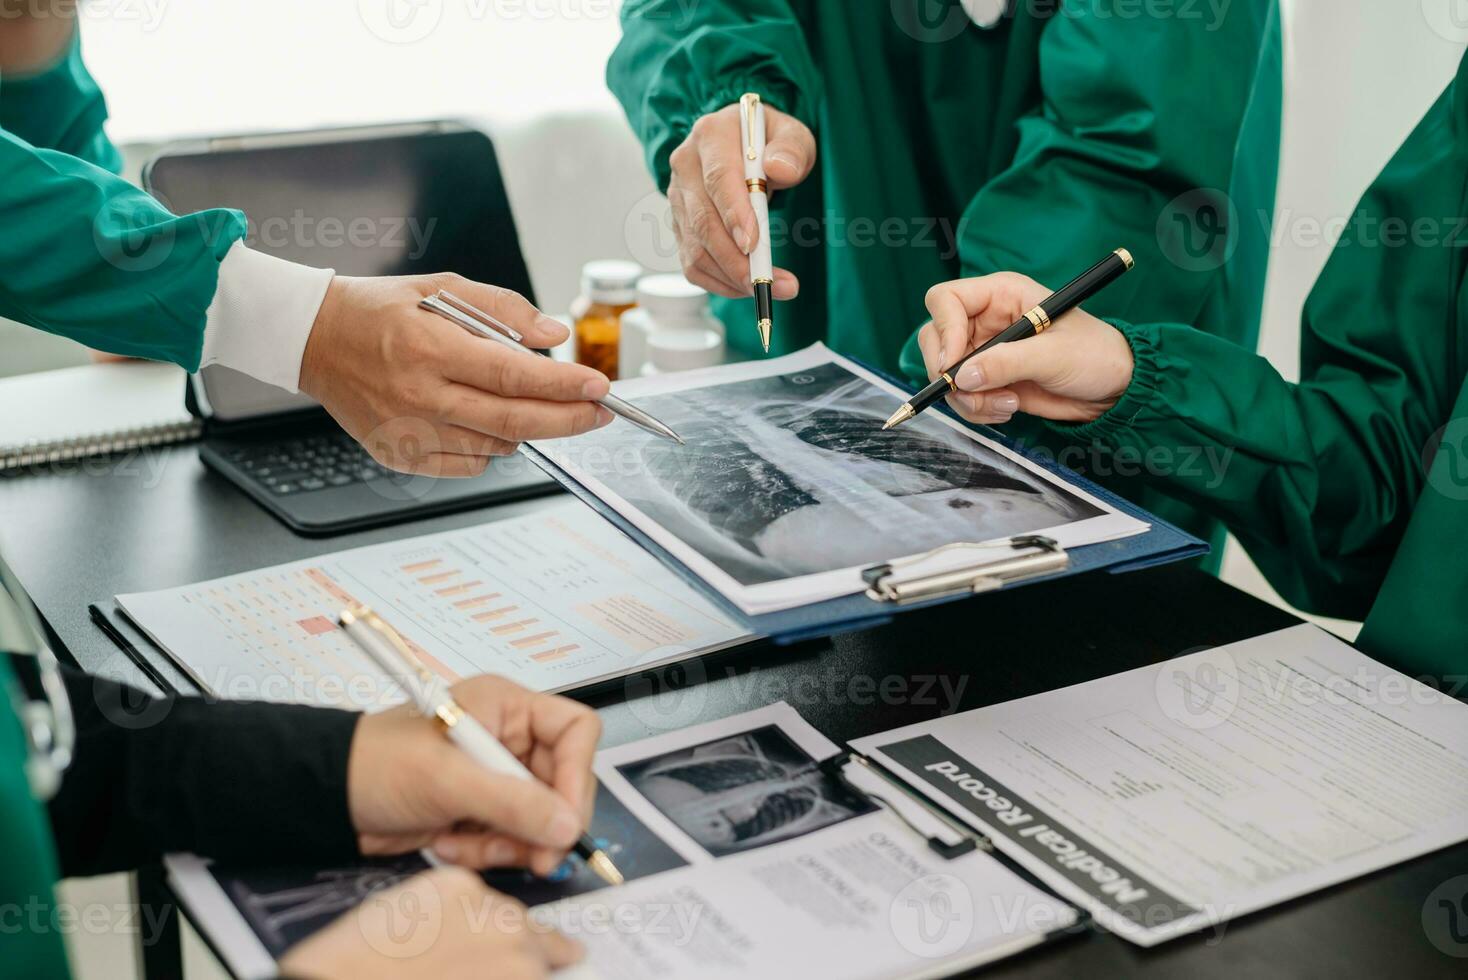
x: 532, y: 72
x: 176, y: 67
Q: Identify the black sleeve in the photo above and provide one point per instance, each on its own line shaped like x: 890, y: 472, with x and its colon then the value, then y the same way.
x: 235, y: 781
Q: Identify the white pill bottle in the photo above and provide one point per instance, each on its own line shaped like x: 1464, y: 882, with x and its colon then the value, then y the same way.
x: 671, y: 329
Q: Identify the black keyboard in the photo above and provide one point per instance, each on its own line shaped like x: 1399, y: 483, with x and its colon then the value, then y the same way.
x: 303, y: 465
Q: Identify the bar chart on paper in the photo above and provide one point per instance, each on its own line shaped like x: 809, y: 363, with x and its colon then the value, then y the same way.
x: 554, y: 600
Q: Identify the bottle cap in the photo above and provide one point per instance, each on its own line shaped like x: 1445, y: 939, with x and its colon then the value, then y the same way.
x: 685, y: 350
x: 610, y: 281
x: 671, y: 297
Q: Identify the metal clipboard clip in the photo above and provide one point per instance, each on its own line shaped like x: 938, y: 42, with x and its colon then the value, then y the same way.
x: 961, y: 839
x: 946, y: 572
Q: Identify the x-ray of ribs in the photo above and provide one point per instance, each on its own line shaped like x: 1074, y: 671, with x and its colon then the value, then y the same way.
x: 730, y: 481
x: 726, y: 481
x: 757, y: 795
x: 332, y: 893
x: 853, y: 434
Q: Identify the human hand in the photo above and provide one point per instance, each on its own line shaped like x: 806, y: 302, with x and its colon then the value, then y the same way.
x: 1073, y: 372
x: 712, y: 216
x: 410, y: 787
x: 440, y: 925
x: 424, y: 396
x: 36, y: 36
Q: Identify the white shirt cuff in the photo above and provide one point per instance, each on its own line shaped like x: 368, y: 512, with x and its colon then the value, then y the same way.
x: 262, y: 314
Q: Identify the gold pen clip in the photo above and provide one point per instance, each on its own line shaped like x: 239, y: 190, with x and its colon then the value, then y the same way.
x: 447, y: 713
x: 378, y: 625
x: 747, y: 105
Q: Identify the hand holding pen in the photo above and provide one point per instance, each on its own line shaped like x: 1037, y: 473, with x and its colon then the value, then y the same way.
x: 1002, y: 334
x: 483, y: 325
x: 761, y: 262
x: 713, y: 217
x: 424, y: 397
x: 504, y: 795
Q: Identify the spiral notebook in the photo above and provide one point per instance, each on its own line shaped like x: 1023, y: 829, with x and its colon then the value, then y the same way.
x: 79, y: 412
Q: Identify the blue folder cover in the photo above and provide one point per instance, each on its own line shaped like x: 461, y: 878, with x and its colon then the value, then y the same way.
x: 1162, y: 544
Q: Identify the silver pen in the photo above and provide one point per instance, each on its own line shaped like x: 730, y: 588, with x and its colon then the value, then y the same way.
x: 481, y: 324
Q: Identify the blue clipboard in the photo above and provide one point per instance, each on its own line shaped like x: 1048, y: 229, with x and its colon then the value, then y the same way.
x: 1162, y: 544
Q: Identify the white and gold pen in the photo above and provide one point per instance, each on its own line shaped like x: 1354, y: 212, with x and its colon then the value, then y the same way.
x: 430, y: 695
x: 761, y: 263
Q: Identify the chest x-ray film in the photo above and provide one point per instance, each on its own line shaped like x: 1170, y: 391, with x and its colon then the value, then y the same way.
x: 787, y: 486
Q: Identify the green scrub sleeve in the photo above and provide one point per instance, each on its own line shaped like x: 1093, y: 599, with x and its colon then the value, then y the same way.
x: 1118, y: 146
x: 89, y: 256
x: 60, y: 109
x: 1317, y: 480
x: 679, y: 61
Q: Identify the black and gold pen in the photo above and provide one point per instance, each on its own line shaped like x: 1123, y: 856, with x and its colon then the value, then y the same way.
x: 761, y: 260
x: 1036, y: 321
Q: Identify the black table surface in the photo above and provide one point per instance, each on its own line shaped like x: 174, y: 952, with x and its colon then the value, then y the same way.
x: 158, y: 519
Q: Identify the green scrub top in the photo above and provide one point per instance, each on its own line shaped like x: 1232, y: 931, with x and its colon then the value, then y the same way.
x: 1349, y: 489
x: 29, y: 872
x: 1038, y: 145
x: 947, y: 150
x: 84, y: 253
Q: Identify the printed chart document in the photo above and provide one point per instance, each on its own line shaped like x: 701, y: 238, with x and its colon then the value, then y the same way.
x: 788, y: 487
x: 555, y: 600
x: 743, y: 859
x: 1172, y: 797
